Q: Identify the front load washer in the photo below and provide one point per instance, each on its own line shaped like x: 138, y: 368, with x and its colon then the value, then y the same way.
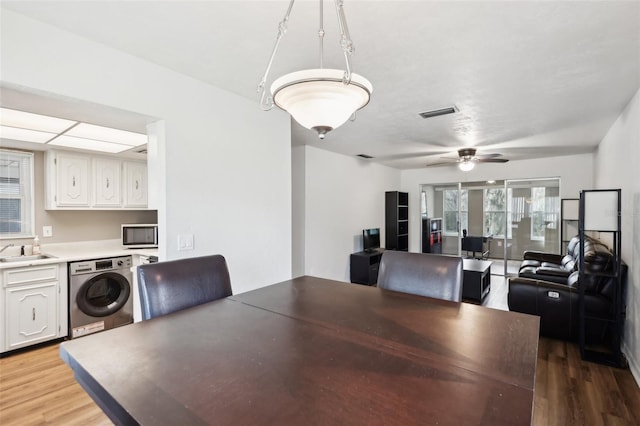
x: 100, y: 295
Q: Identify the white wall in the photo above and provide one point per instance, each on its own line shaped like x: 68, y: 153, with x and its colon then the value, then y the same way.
x: 344, y: 195
x: 298, y: 200
x: 227, y: 163
x: 616, y: 166
x: 575, y: 173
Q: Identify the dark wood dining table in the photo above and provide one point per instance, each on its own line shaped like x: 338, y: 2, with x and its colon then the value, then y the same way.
x: 311, y: 351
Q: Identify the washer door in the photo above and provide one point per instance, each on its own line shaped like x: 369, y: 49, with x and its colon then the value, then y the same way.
x: 103, y: 294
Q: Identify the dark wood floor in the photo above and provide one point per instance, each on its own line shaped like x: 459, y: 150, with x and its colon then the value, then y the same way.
x: 37, y: 388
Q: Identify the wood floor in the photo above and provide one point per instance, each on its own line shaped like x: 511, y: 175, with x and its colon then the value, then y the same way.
x: 37, y: 388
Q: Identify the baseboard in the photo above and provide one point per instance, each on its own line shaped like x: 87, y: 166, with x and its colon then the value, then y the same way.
x: 634, y: 367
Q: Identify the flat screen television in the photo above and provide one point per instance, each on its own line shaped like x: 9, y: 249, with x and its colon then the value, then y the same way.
x: 371, y: 239
x: 473, y: 244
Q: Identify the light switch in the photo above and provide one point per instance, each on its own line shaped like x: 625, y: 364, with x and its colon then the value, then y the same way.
x: 47, y: 231
x: 185, y: 242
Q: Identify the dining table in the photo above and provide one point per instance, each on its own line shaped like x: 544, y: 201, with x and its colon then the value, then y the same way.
x: 314, y: 351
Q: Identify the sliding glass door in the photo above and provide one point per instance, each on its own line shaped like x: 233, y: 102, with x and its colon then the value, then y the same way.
x: 450, y: 203
x: 533, y: 219
x: 511, y: 216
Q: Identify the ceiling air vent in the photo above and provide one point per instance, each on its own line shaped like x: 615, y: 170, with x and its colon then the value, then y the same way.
x: 437, y: 112
x: 364, y: 156
x: 142, y: 151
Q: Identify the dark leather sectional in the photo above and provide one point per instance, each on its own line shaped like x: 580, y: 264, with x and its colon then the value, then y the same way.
x: 548, y: 286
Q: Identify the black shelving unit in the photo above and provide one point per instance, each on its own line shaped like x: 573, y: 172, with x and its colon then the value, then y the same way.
x: 601, y: 335
x: 432, y: 235
x: 569, y: 218
x: 396, y: 220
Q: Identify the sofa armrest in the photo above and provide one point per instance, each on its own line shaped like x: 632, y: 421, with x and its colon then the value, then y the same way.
x: 555, y: 303
x: 557, y: 272
x: 543, y: 256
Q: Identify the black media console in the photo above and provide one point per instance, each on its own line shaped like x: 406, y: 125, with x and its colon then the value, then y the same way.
x: 364, y: 267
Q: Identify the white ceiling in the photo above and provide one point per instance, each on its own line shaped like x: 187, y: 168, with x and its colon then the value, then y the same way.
x: 530, y: 79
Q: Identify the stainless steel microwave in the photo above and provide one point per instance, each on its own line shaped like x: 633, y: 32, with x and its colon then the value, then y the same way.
x: 139, y: 235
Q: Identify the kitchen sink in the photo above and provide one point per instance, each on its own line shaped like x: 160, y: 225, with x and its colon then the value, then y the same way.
x: 24, y: 258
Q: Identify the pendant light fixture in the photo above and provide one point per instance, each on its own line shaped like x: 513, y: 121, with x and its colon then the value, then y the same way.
x: 320, y: 99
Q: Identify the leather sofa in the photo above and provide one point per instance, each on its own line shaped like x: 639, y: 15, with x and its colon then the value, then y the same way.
x: 548, y: 286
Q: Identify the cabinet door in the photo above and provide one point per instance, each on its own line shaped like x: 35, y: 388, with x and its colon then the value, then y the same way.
x: 107, y: 182
x: 32, y: 313
x: 72, y: 180
x: 135, y: 185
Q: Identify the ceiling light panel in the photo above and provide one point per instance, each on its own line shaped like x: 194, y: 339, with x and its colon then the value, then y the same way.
x: 30, y: 121
x: 25, y: 135
x: 90, y: 144
x: 99, y: 133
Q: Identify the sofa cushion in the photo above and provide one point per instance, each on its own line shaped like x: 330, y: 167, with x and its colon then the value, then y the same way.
x: 529, y: 263
x: 573, y: 246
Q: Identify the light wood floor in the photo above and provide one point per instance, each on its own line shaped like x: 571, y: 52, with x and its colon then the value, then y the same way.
x: 37, y: 388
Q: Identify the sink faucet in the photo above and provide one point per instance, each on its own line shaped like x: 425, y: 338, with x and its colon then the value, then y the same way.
x: 5, y: 247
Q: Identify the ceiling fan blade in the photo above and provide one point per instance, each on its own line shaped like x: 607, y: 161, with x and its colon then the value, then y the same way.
x: 492, y: 160
x: 492, y: 155
x: 441, y: 163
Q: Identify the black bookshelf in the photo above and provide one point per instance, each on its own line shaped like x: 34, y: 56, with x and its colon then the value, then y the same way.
x: 432, y: 235
x: 396, y: 220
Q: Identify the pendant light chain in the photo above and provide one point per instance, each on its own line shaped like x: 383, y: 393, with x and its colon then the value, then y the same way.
x: 266, y: 102
x: 321, y: 34
x: 345, y: 40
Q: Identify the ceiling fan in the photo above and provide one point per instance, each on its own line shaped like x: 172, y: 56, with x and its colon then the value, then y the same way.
x: 467, y: 159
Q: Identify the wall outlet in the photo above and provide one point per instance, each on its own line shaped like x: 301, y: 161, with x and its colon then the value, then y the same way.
x: 185, y: 242
x: 47, y: 231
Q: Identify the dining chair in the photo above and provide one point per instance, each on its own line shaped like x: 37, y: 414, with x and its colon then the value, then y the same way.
x: 173, y: 285
x: 428, y: 275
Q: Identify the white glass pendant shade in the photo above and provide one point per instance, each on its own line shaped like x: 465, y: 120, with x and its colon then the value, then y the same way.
x: 318, y: 99
x: 466, y: 166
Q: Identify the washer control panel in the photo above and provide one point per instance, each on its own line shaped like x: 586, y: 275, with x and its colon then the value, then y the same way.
x: 99, y: 265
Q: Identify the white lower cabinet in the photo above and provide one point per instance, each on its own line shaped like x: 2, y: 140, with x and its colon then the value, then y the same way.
x: 34, y: 299
x: 32, y: 314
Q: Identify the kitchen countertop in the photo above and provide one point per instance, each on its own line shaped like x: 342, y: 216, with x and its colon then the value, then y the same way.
x: 83, y: 250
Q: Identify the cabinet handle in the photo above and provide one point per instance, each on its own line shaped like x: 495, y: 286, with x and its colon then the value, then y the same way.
x: 73, y: 181
x: 107, y: 183
x: 33, y: 314
x: 136, y: 184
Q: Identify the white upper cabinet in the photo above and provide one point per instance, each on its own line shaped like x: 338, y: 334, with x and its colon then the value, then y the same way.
x: 135, y: 184
x: 72, y: 180
x: 91, y: 182
x: 106, y: 172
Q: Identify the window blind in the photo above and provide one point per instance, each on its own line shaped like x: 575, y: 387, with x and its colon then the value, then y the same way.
x: 16, y: 194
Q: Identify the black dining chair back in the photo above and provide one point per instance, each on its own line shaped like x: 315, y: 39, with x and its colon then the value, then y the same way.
x: 428, y: 275
x: 170, y: 286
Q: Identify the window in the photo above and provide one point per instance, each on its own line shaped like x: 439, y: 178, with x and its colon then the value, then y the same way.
x: 450, y: 209
x: 495, y: 222
x: 16, y: 194
x: 423, y: 204
x: 544, y: 212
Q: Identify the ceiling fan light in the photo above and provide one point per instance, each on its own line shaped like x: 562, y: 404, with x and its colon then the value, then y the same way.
x: 318, y: 99
x: 466, y: 166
